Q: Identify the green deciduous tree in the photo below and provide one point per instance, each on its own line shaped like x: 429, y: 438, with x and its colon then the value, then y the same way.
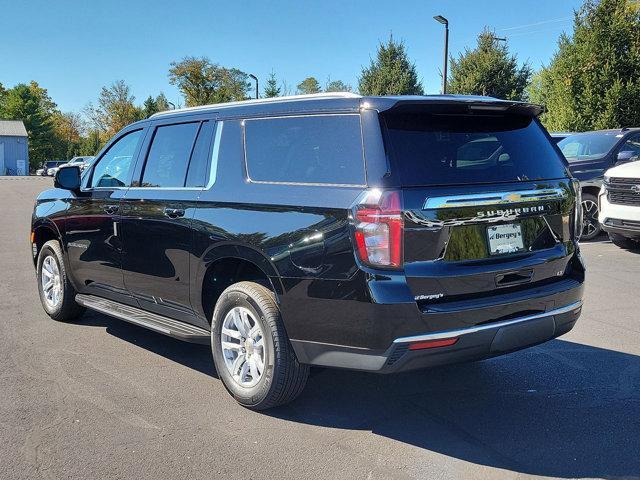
x: 489, y: 69
x: 272, y: 89
x: 309, y: 85
x: 593, y: 80
x: 115, y: 109
x: 391, y: 73
x: 202, y: 82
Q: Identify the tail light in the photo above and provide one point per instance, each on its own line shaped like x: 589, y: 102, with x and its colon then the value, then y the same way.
x: 379, y: 228
x: 578, y: 213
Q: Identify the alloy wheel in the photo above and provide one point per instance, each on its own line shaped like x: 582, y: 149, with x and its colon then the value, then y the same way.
x: 590, y: 225
x: 242, y: 342
x: 51, y: 281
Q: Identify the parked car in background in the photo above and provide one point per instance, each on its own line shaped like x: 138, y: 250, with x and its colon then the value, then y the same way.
x: 80, y: 162
x: 382, y: 234
x: 589, y: 155
x: 49, y: 166
x: 620, y: 205
x: 557, y: 136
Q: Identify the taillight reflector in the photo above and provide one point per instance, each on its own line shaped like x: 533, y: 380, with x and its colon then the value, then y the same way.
x: 445, y: 342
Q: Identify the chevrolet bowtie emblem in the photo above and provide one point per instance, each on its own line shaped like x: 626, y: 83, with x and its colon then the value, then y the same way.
x: 635, y: 188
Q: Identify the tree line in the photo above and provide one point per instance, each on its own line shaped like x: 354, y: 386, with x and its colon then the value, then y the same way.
x: 591, y: 82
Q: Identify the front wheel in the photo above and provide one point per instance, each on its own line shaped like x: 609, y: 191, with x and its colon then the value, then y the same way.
x: 590, y: 213
x: 56, y: 292
x: 251, y: 350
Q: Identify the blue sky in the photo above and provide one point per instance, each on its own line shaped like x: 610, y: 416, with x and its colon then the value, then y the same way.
x: 73, y: 48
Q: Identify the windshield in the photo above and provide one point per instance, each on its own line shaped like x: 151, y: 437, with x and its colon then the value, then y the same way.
x: 436, y: 149
x: 587, y: 146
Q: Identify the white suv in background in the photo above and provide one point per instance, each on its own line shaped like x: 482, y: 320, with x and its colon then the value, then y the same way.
x: 619, y: 200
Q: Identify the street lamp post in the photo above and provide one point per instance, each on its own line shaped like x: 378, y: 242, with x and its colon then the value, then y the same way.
x: 445, y: 22
x: 256, y: 79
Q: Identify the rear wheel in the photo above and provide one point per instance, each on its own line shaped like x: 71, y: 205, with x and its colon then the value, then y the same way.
x: 56, y: 292
x: 251, y: 350
x: 624, y: 242
x: 591, y: 226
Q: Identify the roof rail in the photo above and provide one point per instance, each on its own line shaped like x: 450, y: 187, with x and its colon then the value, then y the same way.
x: 259, y: 101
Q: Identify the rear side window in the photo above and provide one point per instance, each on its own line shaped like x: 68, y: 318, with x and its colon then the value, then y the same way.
x: 325, y: 149
x: 437, y: 149
x: 169, y: 154
x: 200, y: 157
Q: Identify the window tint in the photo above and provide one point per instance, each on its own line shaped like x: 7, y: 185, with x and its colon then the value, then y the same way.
x: 632, y: 145
x: 196, y: 177
x: 311, y: 149
x: 113, y: 168
x: 169, y: 154
x: 586, y: 146
x: 429, y: 149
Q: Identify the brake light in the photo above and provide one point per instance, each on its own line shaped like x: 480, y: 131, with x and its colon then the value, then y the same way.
x: 379, y: 228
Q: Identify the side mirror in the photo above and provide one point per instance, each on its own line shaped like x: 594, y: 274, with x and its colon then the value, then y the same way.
x: 67, y: 178
x: 624, y: 156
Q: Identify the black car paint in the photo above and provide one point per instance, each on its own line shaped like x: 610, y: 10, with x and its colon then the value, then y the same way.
x: 300, y: 237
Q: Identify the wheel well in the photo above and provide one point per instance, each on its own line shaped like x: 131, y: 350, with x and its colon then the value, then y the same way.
x: 41, y: 236
x: 225, y: 272
x: 591, y: 190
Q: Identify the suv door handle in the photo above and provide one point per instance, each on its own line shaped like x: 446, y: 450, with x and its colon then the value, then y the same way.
x: 174, y: 212
x: 110, y: 209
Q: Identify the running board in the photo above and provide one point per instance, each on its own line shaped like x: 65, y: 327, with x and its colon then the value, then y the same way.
x: 157, y: 323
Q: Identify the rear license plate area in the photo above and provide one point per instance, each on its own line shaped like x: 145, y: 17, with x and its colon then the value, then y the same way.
x: 506, y: 238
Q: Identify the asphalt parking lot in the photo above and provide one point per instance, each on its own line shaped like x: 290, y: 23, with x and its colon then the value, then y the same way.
x: 106, y: 399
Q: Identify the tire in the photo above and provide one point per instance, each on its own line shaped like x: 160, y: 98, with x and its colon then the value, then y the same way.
x: 282, y: 378
x: 591, y: 227
x: 624, y: 242
x: 64, y: 308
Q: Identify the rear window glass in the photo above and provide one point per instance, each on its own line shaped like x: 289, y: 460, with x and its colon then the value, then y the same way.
x: 308, y: 149
x: 430, y: 149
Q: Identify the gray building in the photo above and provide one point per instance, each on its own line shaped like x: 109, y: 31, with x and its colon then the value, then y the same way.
x: 14, y: 148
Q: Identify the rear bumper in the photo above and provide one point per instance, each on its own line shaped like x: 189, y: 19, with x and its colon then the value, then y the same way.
x: 473, y: 343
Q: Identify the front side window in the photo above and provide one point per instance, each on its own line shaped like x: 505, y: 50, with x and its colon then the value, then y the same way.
x: 324, y: 149
x: 113, y: 168
x: 168, y: 157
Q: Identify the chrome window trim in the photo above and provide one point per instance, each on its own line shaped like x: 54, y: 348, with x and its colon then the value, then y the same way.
x: 493, y: 198
x: 304, y: 184
x: 488, y: 326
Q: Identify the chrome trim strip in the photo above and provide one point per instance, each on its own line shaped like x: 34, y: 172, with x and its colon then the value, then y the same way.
x: 497, y: 198
x: 488, y: 326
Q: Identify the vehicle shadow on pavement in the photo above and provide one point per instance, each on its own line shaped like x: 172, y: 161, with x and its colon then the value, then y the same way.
x: 560, y: 409
x: 192, y: 355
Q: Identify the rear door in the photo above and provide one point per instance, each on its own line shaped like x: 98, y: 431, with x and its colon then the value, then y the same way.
x: 157, y: 214
x: 487, y: 204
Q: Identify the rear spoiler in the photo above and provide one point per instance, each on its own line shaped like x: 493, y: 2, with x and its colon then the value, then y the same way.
x: 462, y: 105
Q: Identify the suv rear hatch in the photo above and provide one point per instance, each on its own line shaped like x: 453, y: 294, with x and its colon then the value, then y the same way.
x: 488, y: 206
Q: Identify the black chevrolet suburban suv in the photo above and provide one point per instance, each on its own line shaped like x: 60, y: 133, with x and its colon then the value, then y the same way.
x: 381, y: 234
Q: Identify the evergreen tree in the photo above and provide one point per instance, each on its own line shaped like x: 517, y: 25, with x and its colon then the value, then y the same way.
x: 488, y: 69
x: 31, y: 104
x: 272, y: 89
x: 391, y: 73
x: 309, y: 85
x: 593, y: 80
x: 337, y: 86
